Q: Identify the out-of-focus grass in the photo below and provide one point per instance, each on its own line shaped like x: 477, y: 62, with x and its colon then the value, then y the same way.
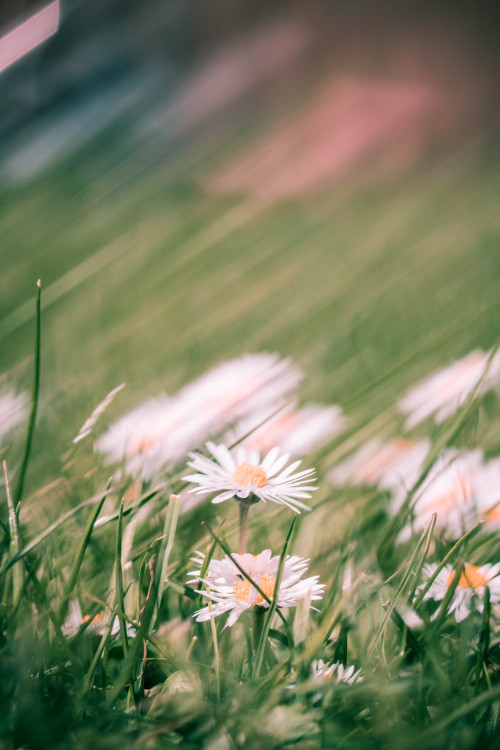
x: 148, y: 279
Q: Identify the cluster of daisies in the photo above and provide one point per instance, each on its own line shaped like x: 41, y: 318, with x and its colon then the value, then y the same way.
x: 243, y: 581
x: 461, y: 489
x: 250, y: 403
x: 250, y: 400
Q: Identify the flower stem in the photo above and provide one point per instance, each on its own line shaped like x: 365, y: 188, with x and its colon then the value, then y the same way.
x: 244, y: 511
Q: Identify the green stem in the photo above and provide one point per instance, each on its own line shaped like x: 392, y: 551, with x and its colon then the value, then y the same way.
x: 244, y: 511
x: 34, y: 401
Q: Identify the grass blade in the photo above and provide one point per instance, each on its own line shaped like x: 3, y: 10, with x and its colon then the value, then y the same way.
x: 421, y: 542
x: 167, y: 544
x: 254, y: 584
x: 15, y: 541
x: 75, y: 570
x: 34, y: 401
x: 274, y: 603
x: 120, y: 599
x: 446, y: 559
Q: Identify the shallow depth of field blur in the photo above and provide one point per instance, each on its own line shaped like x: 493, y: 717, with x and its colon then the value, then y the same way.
x: 197, y: 181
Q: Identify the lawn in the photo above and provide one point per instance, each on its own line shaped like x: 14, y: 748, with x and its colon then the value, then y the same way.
x: 150, y: 277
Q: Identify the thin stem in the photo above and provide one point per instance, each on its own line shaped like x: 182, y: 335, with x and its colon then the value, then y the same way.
x: 34, y: 402
x: 244, y: 511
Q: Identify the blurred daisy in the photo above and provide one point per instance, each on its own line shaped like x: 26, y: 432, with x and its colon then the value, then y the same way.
x: 486, y: 490
x: 448, y: 492
x: 395, y: 465
x: 242, y: 473
x: 242, y: 386
x: 469, y: 592
x: 133, y: 439
x: 162, y: 430
x: 13, y: 411
x: 232, y: 592
x: 338, y: 672
x: 444, y: 391
x: 90, y: 624
x: 297, y: 430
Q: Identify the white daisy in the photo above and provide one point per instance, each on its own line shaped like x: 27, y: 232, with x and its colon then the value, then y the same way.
x: 448, y: 492
x: 234, y: 593
x: 444, y: 391
x: 242, y: 386
x: 395, y: 465
x: 297, y: 430
x: 486, y: 490
x: 338, y: 672
x: 241, y: 473
x: 132, y: 438
x: 13, y: 410
x: 163, y: 429
x: 97, y: 623
x: 469, y: 590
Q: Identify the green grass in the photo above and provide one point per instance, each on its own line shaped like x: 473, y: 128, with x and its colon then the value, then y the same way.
x: 149, y: 280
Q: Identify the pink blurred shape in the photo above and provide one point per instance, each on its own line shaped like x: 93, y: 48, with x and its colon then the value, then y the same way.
x: 29, y: 34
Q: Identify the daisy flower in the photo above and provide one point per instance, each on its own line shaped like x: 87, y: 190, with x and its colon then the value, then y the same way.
x: 297, y: 430
x: 132, y: 439
x: 395, y: 465
x: 486, y: 490
x: 157, y: 433
x: 163, y: 429
x: 232, y: 592
x: 242, y: 386
x: 13, y: 410
x: 444, y: 391
x: 242, y: 473
x: 97, y: 623
x: 448, y: 492
x: 469, y: 590
x: 338, y: 672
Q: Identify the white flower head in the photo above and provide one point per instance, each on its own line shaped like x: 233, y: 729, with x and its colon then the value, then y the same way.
x: 337, y: 671
x: 90, y: 624
x: 297, y: 430
x: 242, y: 386
x: 241, y: 473
x: 486, y: 486
x: 232, y: 592
x: 134, y: 438
x: 162, y: 430
x: 392, y: 466
x: 448, y: 492
x: 443, y: 392
x: 469, y: 590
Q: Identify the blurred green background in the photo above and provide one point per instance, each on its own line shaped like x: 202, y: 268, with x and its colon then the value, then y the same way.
x: 194, y: 181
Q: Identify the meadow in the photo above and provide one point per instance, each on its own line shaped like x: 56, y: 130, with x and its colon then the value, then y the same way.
x: 150, y: 277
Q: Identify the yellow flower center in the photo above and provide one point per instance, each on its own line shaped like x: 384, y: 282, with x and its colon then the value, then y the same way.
x: 493, y: 514
x: 472, y: 577
x: 242, y: 589
x: 146, y: 442
x: 99, y: 617
x: 246, y: 474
